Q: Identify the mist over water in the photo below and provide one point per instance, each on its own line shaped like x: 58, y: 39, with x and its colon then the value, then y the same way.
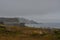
x: 45, y: 25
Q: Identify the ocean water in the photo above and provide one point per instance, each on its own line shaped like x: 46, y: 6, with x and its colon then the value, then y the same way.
x: 45, y: 25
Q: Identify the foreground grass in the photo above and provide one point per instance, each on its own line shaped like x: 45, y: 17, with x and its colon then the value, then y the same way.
x: 28, y: 33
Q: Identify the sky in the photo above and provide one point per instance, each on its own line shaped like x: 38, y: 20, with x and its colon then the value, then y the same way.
x: 45, y: 11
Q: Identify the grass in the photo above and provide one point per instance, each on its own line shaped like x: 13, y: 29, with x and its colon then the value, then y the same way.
x: 28, y: 33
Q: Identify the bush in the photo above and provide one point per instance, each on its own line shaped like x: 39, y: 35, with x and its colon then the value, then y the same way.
x: 56, y: 32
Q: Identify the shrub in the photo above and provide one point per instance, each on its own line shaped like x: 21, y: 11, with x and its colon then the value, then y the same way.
x: 56, y: 32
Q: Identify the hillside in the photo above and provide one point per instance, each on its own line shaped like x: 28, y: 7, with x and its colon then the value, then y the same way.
x: 28, y: 33
x: 17, y: 20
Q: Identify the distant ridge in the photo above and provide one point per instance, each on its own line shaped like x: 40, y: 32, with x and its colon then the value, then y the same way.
x: 20, y: 20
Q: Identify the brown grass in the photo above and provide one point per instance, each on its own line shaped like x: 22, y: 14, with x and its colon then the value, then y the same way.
x: 24, y: 33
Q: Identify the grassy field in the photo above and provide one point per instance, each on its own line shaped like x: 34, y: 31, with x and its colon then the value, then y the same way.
x: 28, y: 33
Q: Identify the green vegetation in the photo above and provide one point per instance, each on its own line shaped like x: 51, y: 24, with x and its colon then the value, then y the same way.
x: 57, y: 34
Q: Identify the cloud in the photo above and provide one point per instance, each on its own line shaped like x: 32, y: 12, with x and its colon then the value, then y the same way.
x: 46, y: 10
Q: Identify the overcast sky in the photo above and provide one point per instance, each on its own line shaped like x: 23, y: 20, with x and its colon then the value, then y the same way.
x: 39, y: 10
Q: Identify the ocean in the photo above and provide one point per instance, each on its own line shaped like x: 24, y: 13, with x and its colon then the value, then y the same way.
x: 45, y: 25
